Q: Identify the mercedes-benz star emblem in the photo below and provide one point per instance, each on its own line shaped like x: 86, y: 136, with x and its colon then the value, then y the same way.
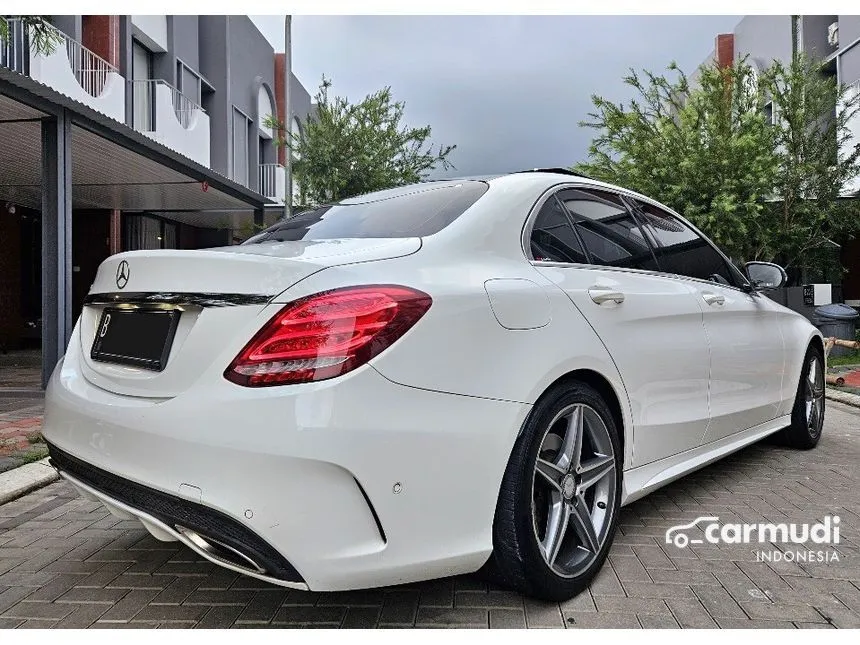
x: 122, y: 274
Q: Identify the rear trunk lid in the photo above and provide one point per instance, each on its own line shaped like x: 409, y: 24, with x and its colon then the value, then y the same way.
x: 219, y: 292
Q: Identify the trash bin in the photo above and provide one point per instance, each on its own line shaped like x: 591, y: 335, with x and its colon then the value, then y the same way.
x: 837, y: 321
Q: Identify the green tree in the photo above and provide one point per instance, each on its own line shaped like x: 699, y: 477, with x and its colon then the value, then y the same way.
x: 44, y: 38
x: 705, y: 151
x: 816, y: 160
x: 761, y: 187
x: 346, y: 149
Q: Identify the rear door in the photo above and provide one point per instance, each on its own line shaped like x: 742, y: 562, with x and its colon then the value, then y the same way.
x: 743, y: 333
x: 587, y: 242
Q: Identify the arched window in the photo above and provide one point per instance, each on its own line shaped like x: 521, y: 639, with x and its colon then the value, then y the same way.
x: 296, y: 130
x: 264, y: 109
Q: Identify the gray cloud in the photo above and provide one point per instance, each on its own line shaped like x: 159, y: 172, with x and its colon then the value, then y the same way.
x: 508, y: 90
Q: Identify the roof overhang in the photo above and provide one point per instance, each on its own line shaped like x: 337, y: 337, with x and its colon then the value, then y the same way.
x: 113, y: 166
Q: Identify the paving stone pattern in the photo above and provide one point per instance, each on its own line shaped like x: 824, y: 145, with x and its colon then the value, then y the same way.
x: 65, y: 562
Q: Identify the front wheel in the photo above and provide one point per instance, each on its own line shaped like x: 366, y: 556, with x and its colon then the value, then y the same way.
x: 558, y: 506
x: 807, y: 416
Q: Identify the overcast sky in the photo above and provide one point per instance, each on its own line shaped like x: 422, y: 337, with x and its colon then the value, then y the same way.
x: 508, y: 90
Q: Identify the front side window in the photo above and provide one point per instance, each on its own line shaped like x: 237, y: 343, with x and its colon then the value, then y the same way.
x: 681, y: 250
x: 611, y: 235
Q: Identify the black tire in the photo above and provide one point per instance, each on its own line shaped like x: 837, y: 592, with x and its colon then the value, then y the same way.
x: 517, y: 560
x: 804, y: 432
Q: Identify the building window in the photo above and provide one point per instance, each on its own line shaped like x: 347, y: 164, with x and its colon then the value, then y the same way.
x: 241, y: 165
x: 264, y: 110
x: 188, y: 82
x: 768, y: 113
x: 296, y: 131
x: 143, y: 91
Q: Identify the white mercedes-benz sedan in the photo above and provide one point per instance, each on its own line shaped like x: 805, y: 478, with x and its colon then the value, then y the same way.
x: 431, y: 380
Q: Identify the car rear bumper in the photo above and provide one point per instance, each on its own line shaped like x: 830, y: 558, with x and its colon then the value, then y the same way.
x: 350, y: 483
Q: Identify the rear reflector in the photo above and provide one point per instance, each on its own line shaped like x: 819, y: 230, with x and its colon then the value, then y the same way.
x: 327, y: 334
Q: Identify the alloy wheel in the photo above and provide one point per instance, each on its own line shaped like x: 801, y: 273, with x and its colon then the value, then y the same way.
x: 574, y: 490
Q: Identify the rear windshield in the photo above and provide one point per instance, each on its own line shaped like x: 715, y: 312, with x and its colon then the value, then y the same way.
x: 410, y: 211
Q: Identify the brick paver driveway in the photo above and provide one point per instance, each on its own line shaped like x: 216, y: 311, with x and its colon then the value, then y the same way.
x: 65, y: 562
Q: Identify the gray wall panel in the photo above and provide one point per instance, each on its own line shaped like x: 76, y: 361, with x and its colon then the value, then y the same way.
x: 849, y: 30
x: 185, y: 40
x: 764, y: 38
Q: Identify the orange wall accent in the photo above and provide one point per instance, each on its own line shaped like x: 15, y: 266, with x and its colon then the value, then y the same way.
x: 725, y: 49
x: 279, y: 99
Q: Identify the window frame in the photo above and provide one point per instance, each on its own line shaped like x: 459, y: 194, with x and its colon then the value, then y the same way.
x: 553, y: 193
x: 594, y: 192
x: 629, y: 198
x: 570, y: 223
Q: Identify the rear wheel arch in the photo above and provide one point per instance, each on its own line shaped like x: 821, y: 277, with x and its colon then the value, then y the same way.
x: 605, y: 389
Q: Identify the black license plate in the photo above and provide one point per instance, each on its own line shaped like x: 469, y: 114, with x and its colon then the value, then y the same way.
x: 138, y: 337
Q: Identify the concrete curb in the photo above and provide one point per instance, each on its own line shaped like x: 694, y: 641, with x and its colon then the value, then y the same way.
x: 842, y: 397
x: 24, y: 479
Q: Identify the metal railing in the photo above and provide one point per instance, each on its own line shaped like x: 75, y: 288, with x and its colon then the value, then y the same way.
x: 15, y: 49
x: 144, y: 100
x: 269, y: 180
x: 90, y: 69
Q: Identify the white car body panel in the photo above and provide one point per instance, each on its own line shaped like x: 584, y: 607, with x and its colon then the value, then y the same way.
x: 747, y: 360
x: 390, y: 473
x: 666, y: 375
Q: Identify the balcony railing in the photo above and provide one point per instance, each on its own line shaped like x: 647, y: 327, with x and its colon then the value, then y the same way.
x: 272, y: 181
x: 90, y: 69
x: 144, y: 97
x: 15, y: 49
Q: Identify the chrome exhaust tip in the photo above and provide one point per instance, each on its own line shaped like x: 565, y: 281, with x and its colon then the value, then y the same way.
x: 220, y: 553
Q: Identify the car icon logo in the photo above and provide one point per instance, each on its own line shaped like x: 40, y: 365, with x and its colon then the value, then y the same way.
x: 122, y: 274
x: 677, y: 534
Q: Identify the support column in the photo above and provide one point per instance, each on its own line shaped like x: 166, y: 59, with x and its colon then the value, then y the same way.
x: 115, y: 239
x: 56, y: 240
x: 259, y: 220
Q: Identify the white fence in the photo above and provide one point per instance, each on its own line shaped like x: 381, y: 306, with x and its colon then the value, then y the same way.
x: 272, y: 181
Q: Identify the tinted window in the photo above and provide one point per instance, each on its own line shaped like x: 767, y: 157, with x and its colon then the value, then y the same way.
x: 411, y: 211
x: 610, y: 233
x: 553, y: 237
x: 681, y: 250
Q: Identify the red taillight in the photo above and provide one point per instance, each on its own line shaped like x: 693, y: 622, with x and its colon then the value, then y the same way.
x: 327, y: 334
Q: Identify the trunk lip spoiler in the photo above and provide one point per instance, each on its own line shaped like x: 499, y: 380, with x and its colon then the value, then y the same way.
x: 199, y: 299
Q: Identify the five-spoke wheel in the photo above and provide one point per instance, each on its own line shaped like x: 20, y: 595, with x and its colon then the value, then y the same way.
x: 560, y: 495
x: 574, y: 489
x: 814, y: 395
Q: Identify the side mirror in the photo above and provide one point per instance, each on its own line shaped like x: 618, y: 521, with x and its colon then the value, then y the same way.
x: 765, y: 276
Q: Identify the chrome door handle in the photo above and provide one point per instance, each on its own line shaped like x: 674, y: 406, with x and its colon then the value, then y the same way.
x: 605, y: 294
x: 713, y: 298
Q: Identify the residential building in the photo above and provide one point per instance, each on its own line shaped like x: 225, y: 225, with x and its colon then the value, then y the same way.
x: 135, y: 132
x: 835, y: 40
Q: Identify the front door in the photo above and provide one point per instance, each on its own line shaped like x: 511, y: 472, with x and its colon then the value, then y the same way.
x: 746, y: 347
x: 588, y: 244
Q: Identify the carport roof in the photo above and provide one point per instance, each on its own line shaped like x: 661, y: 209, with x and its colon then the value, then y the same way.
x: 113, y: 166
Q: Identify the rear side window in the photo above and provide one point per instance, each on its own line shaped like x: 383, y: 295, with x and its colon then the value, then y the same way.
x: 553, y: 237
x: 611, y: 235
x: 410, y: 211
x: 681, y: 250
